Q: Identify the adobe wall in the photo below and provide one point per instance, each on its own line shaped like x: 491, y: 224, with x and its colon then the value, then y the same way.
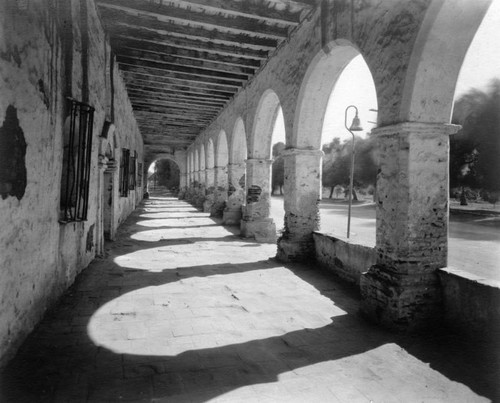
x: 39, y: 256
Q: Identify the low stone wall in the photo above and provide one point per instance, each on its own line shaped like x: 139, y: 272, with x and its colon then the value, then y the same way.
x: 471, y: 304
x: 347, y: 260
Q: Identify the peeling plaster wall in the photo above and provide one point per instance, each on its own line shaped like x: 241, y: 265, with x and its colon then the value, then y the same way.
x: 39, y: 257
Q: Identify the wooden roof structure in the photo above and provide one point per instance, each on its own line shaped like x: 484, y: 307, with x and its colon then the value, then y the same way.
x: 183, y: 60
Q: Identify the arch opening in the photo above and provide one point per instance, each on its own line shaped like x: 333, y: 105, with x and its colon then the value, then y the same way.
x: 164, y: 176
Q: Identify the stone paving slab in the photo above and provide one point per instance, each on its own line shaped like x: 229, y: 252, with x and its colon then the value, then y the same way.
x: 183, y: 310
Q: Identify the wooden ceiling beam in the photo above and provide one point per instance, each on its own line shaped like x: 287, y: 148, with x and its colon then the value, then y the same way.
x: 180, y: 117
x: 198, y: 108
x: 159, y: 96
x: 248, y: 9
x: 122, y: 32
x: 189, y: 16
x: 198, y: 115
x: 171, y: 60
x: 158, y: 72
x: 134, y: 44
x: 177, y: 85
x: 165, y: 133
x: 162, y: 134
x: 194, y: 71
x: 112, y: 16
x: 186, y: 95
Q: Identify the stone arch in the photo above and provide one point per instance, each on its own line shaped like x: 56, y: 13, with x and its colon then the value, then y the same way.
x: 238, y: 152
x: 317, y: 86
x: 445, y: 35
x: 203, y: 160
x: 265, y: 117
x: 173, y: 160
x: 222, y: 154
x: 210, y: 154
x: 196, y: 162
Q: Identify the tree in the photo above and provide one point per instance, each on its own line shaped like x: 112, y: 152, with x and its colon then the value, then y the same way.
x: 278, y: 168
x: 168, y: 174
x: 337, y: 163
x: 475, y: 149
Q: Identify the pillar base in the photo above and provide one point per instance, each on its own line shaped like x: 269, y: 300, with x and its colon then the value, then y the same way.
x: 404, y: 302
x: 207, y: 204
x: 295, y: 250
x: 231, y: 216
x: 263, y: 230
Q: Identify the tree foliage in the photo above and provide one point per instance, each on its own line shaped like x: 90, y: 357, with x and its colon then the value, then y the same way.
x: 168, y: 174
x: 475, y: 149
x: 337, y: 163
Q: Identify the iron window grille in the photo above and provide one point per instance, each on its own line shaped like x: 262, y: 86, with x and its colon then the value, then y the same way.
x: 124, y: 172
x: 77, y: 162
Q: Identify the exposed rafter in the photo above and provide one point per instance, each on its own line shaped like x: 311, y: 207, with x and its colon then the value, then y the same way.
x: 181, y: 15
x: 183, y: 60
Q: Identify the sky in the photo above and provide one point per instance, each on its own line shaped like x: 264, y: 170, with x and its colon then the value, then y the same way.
x: 355, y: 85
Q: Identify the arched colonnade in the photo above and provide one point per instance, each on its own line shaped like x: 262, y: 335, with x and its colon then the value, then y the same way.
x: 415, y: 74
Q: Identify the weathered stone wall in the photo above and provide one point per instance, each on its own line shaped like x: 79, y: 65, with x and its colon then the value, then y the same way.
x: 347, y: 260
x: 43, y: 58
x: 471, y: 304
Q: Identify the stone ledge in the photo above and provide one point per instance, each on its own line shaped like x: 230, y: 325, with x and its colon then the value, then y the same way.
x: 471, y: 303
x: 346, y: 259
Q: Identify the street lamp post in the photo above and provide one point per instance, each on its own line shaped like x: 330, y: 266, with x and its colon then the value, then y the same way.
x: 355, y: 127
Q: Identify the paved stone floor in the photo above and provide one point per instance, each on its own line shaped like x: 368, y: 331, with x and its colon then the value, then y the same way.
x: 183, y: 310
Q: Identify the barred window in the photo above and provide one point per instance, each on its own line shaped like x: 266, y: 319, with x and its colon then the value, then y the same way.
x: 133, y: 171
x: 124, y: 172
x: 77, y: 154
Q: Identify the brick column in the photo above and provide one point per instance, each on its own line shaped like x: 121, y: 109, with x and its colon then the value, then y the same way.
x: 402, y: 290
x: 220, y: 193
x: 302, y: 193
x: 236, y: 194
x: 256, y: 222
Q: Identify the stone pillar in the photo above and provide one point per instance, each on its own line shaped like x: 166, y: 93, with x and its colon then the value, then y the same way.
x: 235, y: 194
x: 402, y: 289
x: 256, y: 222
x: 220, y: 193
x: 183, y: 180
x: 183, y: 185
x: 302, y: 193
x: 209, y: 189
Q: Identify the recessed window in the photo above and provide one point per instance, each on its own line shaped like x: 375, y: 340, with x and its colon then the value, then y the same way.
x: 124, y: 172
